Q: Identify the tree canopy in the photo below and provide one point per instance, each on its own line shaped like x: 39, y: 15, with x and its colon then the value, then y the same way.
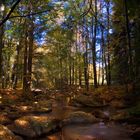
x: 85, y: 42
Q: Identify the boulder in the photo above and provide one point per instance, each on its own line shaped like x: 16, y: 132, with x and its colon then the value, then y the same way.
x: 79, y: 117
x: 34, y: 126
x: 85, y: 100
x: 6, y: 134
x: 120, y: 116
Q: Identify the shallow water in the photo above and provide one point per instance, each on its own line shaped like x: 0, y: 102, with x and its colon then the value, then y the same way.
x: 99, y: 131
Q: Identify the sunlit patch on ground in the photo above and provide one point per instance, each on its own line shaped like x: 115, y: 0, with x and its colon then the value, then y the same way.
x: 2, y: 132
x: 35, y: 102
x: 2, y: 118
x: 0, y: 99
x: 23, y: 123
x: 40, y: 118
x: 6, y: 134
x: 56, y: 136
x: 53, y: 138
x: 24, y: 108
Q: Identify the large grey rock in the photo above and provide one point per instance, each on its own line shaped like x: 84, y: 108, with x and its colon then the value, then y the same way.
x: 34, y: 126
x: 6, y: 134
x: 79, y: 117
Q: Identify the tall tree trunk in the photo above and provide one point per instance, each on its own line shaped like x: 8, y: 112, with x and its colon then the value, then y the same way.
x: 30, y: 54
x: 77, y: 57
x: 104, y: 65
x: 94, y: 20
x: 108, y: 44
x: 25, y: 67
x: 70, y: 65
x: 99, y: 70
x: 80, y: 77
x: 130, y: 62
x: 15, y: 74
x: 86, y: 69
x: 1, y: 45
x: 73, y: 70
x: 61, y: 74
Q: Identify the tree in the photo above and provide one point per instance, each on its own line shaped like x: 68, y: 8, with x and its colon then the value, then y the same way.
x: 94, y: 20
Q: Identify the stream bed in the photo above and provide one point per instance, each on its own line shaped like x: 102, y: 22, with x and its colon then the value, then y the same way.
x: 98, y: 131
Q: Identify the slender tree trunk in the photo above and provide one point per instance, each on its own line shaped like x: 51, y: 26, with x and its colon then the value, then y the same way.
x: 94, y: 45
x: 130, y: 61
x: 70, y: 65
x: 25, y: 67
x: 79, y: 60
x: 80, y: 77
x: 70, y: 73
x: 30, y: 54
x: 7, y: 68
x: 73, y: 70
x: 1, y: 46
x: 108, y: 44
x: 86, y: 70
x: 104, y: 65
x: 15, y: 74
x: 99, y: 71
x: 77, y: 57
x: 61, y: 74
x: 17, y: 67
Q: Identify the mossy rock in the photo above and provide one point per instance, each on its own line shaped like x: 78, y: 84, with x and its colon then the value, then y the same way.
x: 88, y: 101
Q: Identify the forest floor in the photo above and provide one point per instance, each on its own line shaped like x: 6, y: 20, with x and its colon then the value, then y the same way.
x: 70, y: 114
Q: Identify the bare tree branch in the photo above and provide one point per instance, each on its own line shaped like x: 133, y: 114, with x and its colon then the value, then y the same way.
x: 10, y: 12
x: 86, y: 12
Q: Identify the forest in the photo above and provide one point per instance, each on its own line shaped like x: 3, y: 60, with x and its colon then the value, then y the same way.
x: 69, y: 70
